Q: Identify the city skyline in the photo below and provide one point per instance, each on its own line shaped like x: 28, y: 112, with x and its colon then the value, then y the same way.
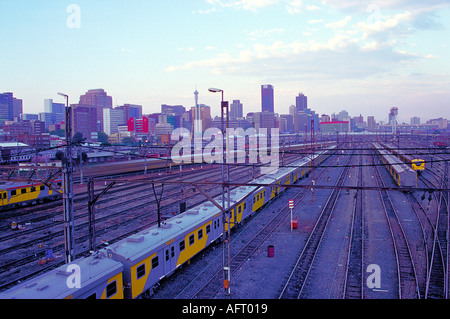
x: 364, y: 57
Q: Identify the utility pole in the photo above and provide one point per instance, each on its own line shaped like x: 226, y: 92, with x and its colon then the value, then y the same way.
x: 69, y: 237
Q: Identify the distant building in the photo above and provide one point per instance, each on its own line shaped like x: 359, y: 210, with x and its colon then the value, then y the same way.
x: 84, y: 120
x: 342, y: 115
x: 236, y: 110
x: 336, y: 126
x: 415, y: 120
x: 371, y: 125
x: 286, y: 123
x: 325, y: 118
x: 112, y: 118
x: 6, y: 107
x: 99, y: 100
x: 267, y: 99
x: 264, y: 120
x: 301, y: 102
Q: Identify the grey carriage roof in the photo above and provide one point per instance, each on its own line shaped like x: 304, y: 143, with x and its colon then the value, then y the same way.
x: 53, y: 284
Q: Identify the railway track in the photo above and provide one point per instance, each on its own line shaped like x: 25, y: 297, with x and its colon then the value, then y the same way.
x: 214, y: 284
x: 296, y: 281
x: 408, y: 287
x: 353, y: 281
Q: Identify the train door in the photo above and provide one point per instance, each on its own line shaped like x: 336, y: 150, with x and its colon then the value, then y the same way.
x: 170, y: 260
x: 3, y: 197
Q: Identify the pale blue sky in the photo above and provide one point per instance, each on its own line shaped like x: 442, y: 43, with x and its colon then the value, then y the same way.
x: 362, y: 56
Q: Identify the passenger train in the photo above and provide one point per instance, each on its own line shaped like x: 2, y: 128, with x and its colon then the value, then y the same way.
x: 402, y: 174
x: 22, y: 193
x: 416, y: 164
x: 134, y: 266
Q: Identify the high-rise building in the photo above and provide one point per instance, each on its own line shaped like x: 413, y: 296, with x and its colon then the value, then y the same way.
x: 84, y: 120
x: 415, y: 120
x: 267, y: 100
x: 112, y: 118
x: 6, y: 107
x: 205, y: 116
x: 301, y: 102
x: 98, y: 99
x: 371, y: 123
x: 53, y: 113
x: 264, y: 120
x: 17, y: 108
x: 236, y: 110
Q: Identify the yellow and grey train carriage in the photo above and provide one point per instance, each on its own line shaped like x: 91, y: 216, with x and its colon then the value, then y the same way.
x: 95, y: 276
x: 23, y: 193
x: 402, y: 174
x: 416, y: 164
x: 153, y: 254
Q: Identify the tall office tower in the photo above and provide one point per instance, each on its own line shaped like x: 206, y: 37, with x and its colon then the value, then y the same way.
x: 236, y: 110
x: 112, y: 118
x: 53, y: 113
x: 371, y: 123
x: 84, y: 120
x: 17, y: 108
x: 6, y: 107
x: 267, y: 101
x: 98, y: 99
x: 301, y: 102
x: 415, y: 120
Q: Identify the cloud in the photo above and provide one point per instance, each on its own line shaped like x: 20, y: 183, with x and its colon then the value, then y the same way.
x: 294, y: 6
x: 339, y: 24
x: 260, y: 34
x: 252, y: 5
x: 341, y: 57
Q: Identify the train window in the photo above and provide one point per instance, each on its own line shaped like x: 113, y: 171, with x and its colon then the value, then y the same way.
x: 167, y: 255
x: 13, y: 192
x: 140, y: 271
x: 245, y: 206
x: 23, y: 190
x: 182, y: 245
x: 33, y: 189
x: 200, y: 234
x: 155, y: 262
x: 191, y: 240
x: 93, y: 296
x: 42, y: 187
x: 208, y: 228
x: 172, y: 251
x: 4, y: 195
x: 111, y: 289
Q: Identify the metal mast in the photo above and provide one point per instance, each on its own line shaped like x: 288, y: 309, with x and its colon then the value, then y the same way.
x: 69, y: 238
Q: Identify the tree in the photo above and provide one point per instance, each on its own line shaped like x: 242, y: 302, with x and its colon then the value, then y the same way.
x: 128, y: 140
x: 78, y: 138
x: 102, y: 137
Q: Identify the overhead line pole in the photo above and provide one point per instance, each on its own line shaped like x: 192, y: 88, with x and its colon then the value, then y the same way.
x: 69, y: 237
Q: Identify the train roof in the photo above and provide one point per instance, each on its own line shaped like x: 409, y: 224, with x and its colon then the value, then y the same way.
x: 138, y: 246
x: 12, y: 185
x: 394, y: 161
x: 53, y: 284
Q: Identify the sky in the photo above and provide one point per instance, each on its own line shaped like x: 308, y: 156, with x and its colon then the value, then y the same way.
x: 356, y: 55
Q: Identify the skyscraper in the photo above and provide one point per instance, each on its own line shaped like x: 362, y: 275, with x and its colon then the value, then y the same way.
x: 236, y: 110
x: 98, y: 99
x: 267, y: 101
x: 6, y: 107
x: 301, y: 102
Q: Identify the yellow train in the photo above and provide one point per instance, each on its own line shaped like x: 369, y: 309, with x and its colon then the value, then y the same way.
x: 416, y: 164
x: 18, y: 194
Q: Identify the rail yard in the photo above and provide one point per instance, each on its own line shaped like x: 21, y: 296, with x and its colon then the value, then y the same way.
x: 369, y: 220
